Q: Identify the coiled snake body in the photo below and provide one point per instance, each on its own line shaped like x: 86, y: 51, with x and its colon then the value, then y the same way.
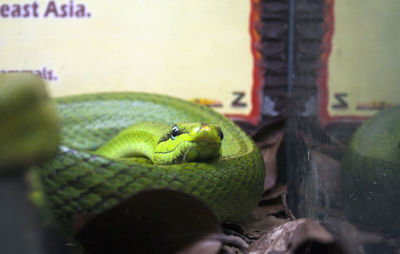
x: 79, y: 181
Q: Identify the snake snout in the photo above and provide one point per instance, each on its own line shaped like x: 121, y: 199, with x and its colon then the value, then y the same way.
x: 208, y: 133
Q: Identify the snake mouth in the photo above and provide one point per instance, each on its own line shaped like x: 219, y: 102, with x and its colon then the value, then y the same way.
x: 201, y: 143
x: 205, y: 143
x: 204, y: 140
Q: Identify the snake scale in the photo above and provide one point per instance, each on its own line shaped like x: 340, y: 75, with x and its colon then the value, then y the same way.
x: 77, y: 181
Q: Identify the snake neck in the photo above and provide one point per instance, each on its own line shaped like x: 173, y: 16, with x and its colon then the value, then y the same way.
x: 139, y: 140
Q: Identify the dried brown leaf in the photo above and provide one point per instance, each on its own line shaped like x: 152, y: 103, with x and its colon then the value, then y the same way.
x: 268, y: 136
x: 260, y: 222
x: 299, y: 236
x: 269, y: 148
x: 207, y: 245
x: 275, y: 192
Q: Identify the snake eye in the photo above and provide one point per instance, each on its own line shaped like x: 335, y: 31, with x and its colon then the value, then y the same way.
x: 175, y: 132
x: 220, y: 134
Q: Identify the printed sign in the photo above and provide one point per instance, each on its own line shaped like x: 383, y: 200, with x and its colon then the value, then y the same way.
x: 197, y: 50
x: 360, y: 74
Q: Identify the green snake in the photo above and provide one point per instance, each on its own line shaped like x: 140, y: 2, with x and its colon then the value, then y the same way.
x: 92, y: 171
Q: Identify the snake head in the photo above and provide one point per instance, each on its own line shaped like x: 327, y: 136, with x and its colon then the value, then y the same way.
x: 188, y: 142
